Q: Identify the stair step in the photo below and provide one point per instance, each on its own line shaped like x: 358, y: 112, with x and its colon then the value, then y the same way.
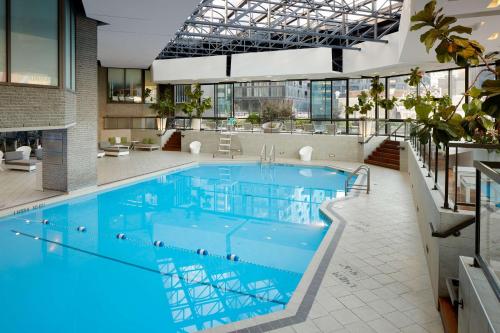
x: 385, y: 153
x: 449, y: 315
x: 388, y: 150
x: 384, y: 160
x: 383, y: 164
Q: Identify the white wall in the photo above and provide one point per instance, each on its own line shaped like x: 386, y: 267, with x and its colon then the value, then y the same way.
x: 190, y: 69
x: 326, y: 147
x: 442, y: 254
x: 282, y: 63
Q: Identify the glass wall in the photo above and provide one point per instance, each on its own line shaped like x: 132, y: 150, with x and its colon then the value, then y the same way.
x: 321, y: 100
x: 69, y: 45
x: 457, y: 88
x: 34, y: 42
x: 339, y: 98
x: 252, y: 97
x: 133, y: 85
x: 209, y: 91
x: 396, y: 87
x: 3, y: 41
x: 356, y: 86
x: 150, y: 88
x: 224, y: 100
x: 436, y: 83
x: 116, y: 84
x: 129, y: 85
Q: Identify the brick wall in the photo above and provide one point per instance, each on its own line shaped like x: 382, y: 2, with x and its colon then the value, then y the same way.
x: 70, y: 154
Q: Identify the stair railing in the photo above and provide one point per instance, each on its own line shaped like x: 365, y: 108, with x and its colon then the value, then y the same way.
x: 358, y: 187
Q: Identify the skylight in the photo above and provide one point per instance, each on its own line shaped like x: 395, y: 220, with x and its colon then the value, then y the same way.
x: 232, y: 26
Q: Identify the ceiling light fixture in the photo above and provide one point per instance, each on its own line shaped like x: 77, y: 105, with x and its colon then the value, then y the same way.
x: 493, y: 36
x: 494, y: 4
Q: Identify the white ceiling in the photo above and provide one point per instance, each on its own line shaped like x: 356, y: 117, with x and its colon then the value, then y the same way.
x: 136, y: 31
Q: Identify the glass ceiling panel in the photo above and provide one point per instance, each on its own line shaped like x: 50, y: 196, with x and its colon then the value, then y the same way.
x: 233, y: 26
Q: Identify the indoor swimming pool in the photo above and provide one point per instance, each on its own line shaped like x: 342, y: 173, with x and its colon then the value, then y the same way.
x: 180, y: 252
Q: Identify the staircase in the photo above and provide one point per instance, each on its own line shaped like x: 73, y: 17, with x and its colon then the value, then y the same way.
x: 386, y: 155
x: 173, y: 143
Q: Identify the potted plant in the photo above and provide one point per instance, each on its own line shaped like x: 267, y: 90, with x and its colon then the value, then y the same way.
x: 195, y: 105
x: 438, y: 117
x: 365, y: 105
x: 165, y: 110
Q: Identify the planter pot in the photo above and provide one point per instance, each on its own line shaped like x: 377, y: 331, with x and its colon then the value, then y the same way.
x: 196, y: 124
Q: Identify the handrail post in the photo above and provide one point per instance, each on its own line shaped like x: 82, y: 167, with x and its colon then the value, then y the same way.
x: 455, y: 207
x: 368, y: 182
x: 436, y: 158
x: 446, y: 176
x: 423, y: 156
x: 477, y: 249
x: 429, y: 162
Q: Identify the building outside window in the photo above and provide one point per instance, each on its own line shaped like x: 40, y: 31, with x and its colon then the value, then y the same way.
x: 321, y: 100
x: 34, y: 42
x: 457, y: 88
x: 397, y: 87
x: 436, y: 83
x: 224, y: 100
x: 249, y: 97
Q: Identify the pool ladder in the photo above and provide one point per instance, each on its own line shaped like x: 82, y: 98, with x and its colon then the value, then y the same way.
x: 362, y: 169
x: 264, y: 157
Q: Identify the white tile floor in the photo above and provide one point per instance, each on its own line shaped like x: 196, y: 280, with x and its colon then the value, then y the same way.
x: 377, y: 280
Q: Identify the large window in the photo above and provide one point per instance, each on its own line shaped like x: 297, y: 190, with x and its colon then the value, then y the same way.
x: 34, y: 42
x: 436, y: 83
x: 321, y: 100
x: 356, y: 86
x: 3, y: 42
x: 69, y: 45
x: 224, y: 100
x: 127, y: 85
x: 253, y: 97
x: 150, y: 88
x: 483, y: 75
x: 457, y: 87
x: 209, y: 91
x: 397, y: 87
x: 339, y: 98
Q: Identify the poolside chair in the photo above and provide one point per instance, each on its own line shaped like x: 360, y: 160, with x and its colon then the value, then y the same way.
x: 195, y: 147
x: 26, y: 150
x: 319, y: 128
x: 15, y: 160
x: 305, y: 153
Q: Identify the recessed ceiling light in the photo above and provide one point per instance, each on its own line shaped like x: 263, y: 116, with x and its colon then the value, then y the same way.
x: 493, y: 36
x: 494, y: 4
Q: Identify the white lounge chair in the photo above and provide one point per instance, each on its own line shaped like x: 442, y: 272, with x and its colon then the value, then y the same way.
x: 195, y: 147
x: 305, y: 153
x: 26, y: 152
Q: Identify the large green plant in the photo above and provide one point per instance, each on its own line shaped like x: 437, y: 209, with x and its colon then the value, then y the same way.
x: 272, y: 110
x: 437, y: 117
x: 195, y: 103
x: 164, y: 106
x: 372, y: 98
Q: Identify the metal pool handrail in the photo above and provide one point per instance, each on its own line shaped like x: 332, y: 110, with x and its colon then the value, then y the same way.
x: 366, y: 169
x: 272, y: 154
x: 263, y: 153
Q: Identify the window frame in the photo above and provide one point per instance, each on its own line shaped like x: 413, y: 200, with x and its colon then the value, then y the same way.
x: 143, y: 86
x: 61, y: 52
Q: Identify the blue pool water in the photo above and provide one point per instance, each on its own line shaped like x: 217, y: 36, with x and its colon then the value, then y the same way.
x: 54, y: 278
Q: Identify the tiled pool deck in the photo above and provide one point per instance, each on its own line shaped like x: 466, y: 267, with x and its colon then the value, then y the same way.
x: 372, y: 278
